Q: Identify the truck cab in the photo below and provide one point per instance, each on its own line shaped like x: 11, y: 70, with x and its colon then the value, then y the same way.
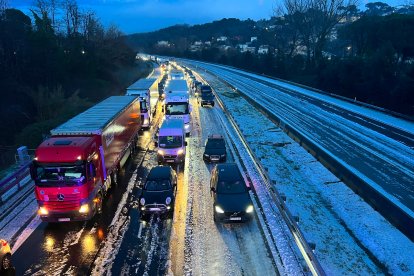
x: 171, y: 142
x: 68, y: 190
x: 177, y: 106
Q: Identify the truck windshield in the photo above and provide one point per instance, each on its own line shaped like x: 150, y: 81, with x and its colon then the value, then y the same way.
x: 170, y: 142
x: 231, y: 187
x: 58, y: 175
x: 176, y: 108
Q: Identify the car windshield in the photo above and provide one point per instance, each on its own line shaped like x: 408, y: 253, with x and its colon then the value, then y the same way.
x: 176, y: 109
x: 169, y: 142
x: 231, y: 187
x: 215, y: 144
x: 158, y: 185
x: 56, y: 175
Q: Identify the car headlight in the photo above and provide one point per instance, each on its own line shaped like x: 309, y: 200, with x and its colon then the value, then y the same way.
x: 160, y: 152
x: 84, y: 209
x: 187, y: 126
x: 146, y: 121
x: 168, y: 200
x: 43, y: 211
x: 219, y: 210
x: 142, y: 201
x: 206, y: 155
x: 249, y: 209
x: 180, y: 151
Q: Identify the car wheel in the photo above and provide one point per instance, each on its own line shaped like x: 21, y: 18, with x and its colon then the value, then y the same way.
x: 6, y: 262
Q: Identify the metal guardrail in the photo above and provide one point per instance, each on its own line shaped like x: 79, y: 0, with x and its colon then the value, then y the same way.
x: 391, y: 211
x: 13, y: 180
x: 356, y: 102
x: 303, y: 244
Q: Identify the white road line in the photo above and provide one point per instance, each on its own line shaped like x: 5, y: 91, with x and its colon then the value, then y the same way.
x: 31, y: 227
x: 141, y: 225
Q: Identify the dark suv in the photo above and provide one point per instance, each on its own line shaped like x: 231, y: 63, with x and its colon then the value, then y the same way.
x: 205, y: 95
x: 215, y: 149
x: 232, y: 201
x: 158, y: 192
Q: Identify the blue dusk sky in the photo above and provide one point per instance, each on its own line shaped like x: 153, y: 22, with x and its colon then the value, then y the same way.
x: 133, y: 16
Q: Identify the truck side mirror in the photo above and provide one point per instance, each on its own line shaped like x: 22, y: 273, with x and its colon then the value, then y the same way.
x: 32, y: 171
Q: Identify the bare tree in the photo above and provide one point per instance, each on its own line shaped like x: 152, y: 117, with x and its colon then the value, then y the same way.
x: 4, y: 4
x: 50, y: 9
x: 314, y: 21
x: 71, y: 17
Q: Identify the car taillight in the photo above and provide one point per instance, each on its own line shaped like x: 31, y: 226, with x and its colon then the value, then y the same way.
x: 3, y: 243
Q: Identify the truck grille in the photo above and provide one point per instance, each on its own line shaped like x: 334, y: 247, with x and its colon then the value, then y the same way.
x: 70, y: 202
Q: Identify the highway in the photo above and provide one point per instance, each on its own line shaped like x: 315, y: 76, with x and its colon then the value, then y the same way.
x: 119, y: 243
x: 380, y: 153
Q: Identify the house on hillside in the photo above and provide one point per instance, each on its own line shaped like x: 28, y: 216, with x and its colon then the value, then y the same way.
x: 163, y: 43
x: 222, y: 39
x: 263, y: 50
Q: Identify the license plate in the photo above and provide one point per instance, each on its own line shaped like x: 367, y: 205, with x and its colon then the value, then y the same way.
x: 169, y: 161
x: 155, y: 209
x: 63, y: 219
x: 235, y: 218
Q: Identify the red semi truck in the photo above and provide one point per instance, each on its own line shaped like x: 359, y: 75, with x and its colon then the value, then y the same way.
x: 74, y: 168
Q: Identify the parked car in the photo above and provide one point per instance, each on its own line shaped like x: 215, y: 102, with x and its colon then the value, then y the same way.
x: 231, y: 197
x: 5, y: 258
x: 215, y: 149
x: 158, y: 192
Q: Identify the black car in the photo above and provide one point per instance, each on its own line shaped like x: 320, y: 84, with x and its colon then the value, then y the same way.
x: 232, y: 201
x: 215, y: 149
x: 158, y: 192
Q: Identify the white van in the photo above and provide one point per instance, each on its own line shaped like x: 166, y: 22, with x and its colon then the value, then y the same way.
x: 171, y: 142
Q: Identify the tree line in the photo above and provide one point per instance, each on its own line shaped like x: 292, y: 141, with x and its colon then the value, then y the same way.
x: 55, y: 62
x: 331, y: 45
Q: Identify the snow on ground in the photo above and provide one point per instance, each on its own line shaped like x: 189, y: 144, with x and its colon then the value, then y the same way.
x: 210, y: 248
x: 351, y: 237
x: 364, y: 111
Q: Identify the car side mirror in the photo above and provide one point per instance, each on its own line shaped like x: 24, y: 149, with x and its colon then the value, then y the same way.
x: 156, y: 143
x: 185, y: 143
x: 249, y: 188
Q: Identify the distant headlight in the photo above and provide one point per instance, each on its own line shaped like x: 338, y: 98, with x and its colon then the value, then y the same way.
x: 160, y: 152
x: 249, y: 209
x: 142, y: 201
x: 43, y: 211
x: 187, y: 126
x: 168, y: 200
x: 84, y: 209
x: 180, y: 151
x: 219, y: 210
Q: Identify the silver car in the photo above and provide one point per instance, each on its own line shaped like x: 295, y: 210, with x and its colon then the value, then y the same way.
x: 5, y: 256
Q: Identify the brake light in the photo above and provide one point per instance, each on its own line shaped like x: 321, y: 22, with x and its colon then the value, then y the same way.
x: 3, y: 243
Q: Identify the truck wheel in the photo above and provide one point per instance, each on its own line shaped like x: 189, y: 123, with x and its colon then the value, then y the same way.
x: 98, y: 206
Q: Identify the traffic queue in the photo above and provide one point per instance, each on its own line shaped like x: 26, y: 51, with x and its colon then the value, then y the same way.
x: 74, y: 169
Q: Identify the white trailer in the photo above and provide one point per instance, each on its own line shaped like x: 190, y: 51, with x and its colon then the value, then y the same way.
x: 141, y: 90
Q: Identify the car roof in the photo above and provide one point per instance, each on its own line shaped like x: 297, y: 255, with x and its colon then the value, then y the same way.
x: 159, y: 172
x: 228, y: 171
